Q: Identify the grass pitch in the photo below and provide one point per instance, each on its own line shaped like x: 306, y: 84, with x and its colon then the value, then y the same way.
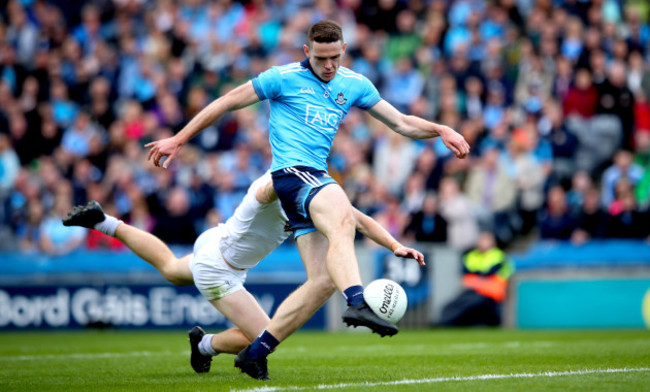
x: 441, y: 360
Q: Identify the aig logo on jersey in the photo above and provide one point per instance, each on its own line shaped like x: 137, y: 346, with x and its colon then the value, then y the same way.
x: 320, y: 117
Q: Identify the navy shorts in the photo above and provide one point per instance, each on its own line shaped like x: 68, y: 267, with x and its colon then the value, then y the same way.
x: 296, y: 187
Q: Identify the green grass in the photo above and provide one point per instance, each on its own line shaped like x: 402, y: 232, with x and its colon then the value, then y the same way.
x: 159, y: 361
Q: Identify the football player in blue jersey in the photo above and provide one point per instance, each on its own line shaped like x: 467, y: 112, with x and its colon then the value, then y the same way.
x: 308, y: 100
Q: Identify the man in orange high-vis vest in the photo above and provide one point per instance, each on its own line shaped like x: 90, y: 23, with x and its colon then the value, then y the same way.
x: 486, y: 272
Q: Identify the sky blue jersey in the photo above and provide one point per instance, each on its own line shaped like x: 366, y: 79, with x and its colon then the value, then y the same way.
x: 306, y: 112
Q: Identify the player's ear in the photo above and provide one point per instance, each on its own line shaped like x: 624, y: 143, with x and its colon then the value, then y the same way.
x: 345, y: 45
x: 306, y: 49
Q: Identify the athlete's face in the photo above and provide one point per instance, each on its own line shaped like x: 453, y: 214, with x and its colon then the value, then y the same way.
x: 325, y: 58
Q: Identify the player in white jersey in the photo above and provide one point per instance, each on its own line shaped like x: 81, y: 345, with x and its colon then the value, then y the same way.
x: 308, y: 100
x: 221, y: 257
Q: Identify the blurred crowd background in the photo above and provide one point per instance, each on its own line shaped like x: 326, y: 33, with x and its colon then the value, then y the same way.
x: 552, y: 96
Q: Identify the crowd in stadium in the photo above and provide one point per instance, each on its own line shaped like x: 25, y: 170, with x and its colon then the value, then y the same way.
x: 553, y: 97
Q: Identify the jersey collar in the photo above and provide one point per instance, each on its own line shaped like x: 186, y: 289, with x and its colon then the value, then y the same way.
x: 305, y: 63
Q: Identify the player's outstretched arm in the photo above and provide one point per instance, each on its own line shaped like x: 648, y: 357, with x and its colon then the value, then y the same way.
x: 419, y: 128
x: 238, y: 98
x: 373, y: 230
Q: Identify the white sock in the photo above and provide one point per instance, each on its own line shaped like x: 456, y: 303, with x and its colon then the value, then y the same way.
x: 108, y: 225
x: 205, y: 346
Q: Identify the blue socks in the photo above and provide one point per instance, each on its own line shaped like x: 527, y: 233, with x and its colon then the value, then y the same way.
x: 354, y: 295
x: 263, y: 345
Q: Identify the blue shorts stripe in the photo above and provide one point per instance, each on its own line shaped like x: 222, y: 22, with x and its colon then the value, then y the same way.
x: 304, y: 176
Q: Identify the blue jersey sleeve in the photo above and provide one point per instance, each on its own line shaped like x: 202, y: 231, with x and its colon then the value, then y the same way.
x: 268, y: 84
x: 369, y: 96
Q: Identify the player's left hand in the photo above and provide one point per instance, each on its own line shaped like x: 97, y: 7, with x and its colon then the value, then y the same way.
x: 410, y: 253
x: 454, y: 141
x: 168, y: 147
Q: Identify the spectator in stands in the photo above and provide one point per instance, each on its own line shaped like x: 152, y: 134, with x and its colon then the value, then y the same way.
x: 64, y: 109
x: 623, y: 167
x: 630, y: 222
x: 498, y: 137
x: 101, y: 108
x: 617, y: 99
x: 474, y: 97
x: 563, y: 78
x: 89, y: 33
x: 494, y: 192
x: 390, y: 149
x: 581, y: 183
x: 431, y: 167
x: 20, y: 134
x: 556, y: 222
x: 621, y: 190
x: 457, y: 209
x: 391, y: 216
x: 404, y: 86
x: 406, y: 41
x: 372, y: 64
x: 140, y: 217
x: 563, y: 142
x: 591, y: 222
x: 486, y: 271
x: 13, y: 73
x: 414, y: 193
x: 495, y: 109
x: 534, y: 83
x: 49, y: 139
x: 28, y: 231
x: 21, y: 33
x: 84, y: 173
x: 529, y: 175
x: 582, y: 97
x: 427, y: 225
x: 175, y: 226
x: 635, y: 72
x: 572, y: 43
